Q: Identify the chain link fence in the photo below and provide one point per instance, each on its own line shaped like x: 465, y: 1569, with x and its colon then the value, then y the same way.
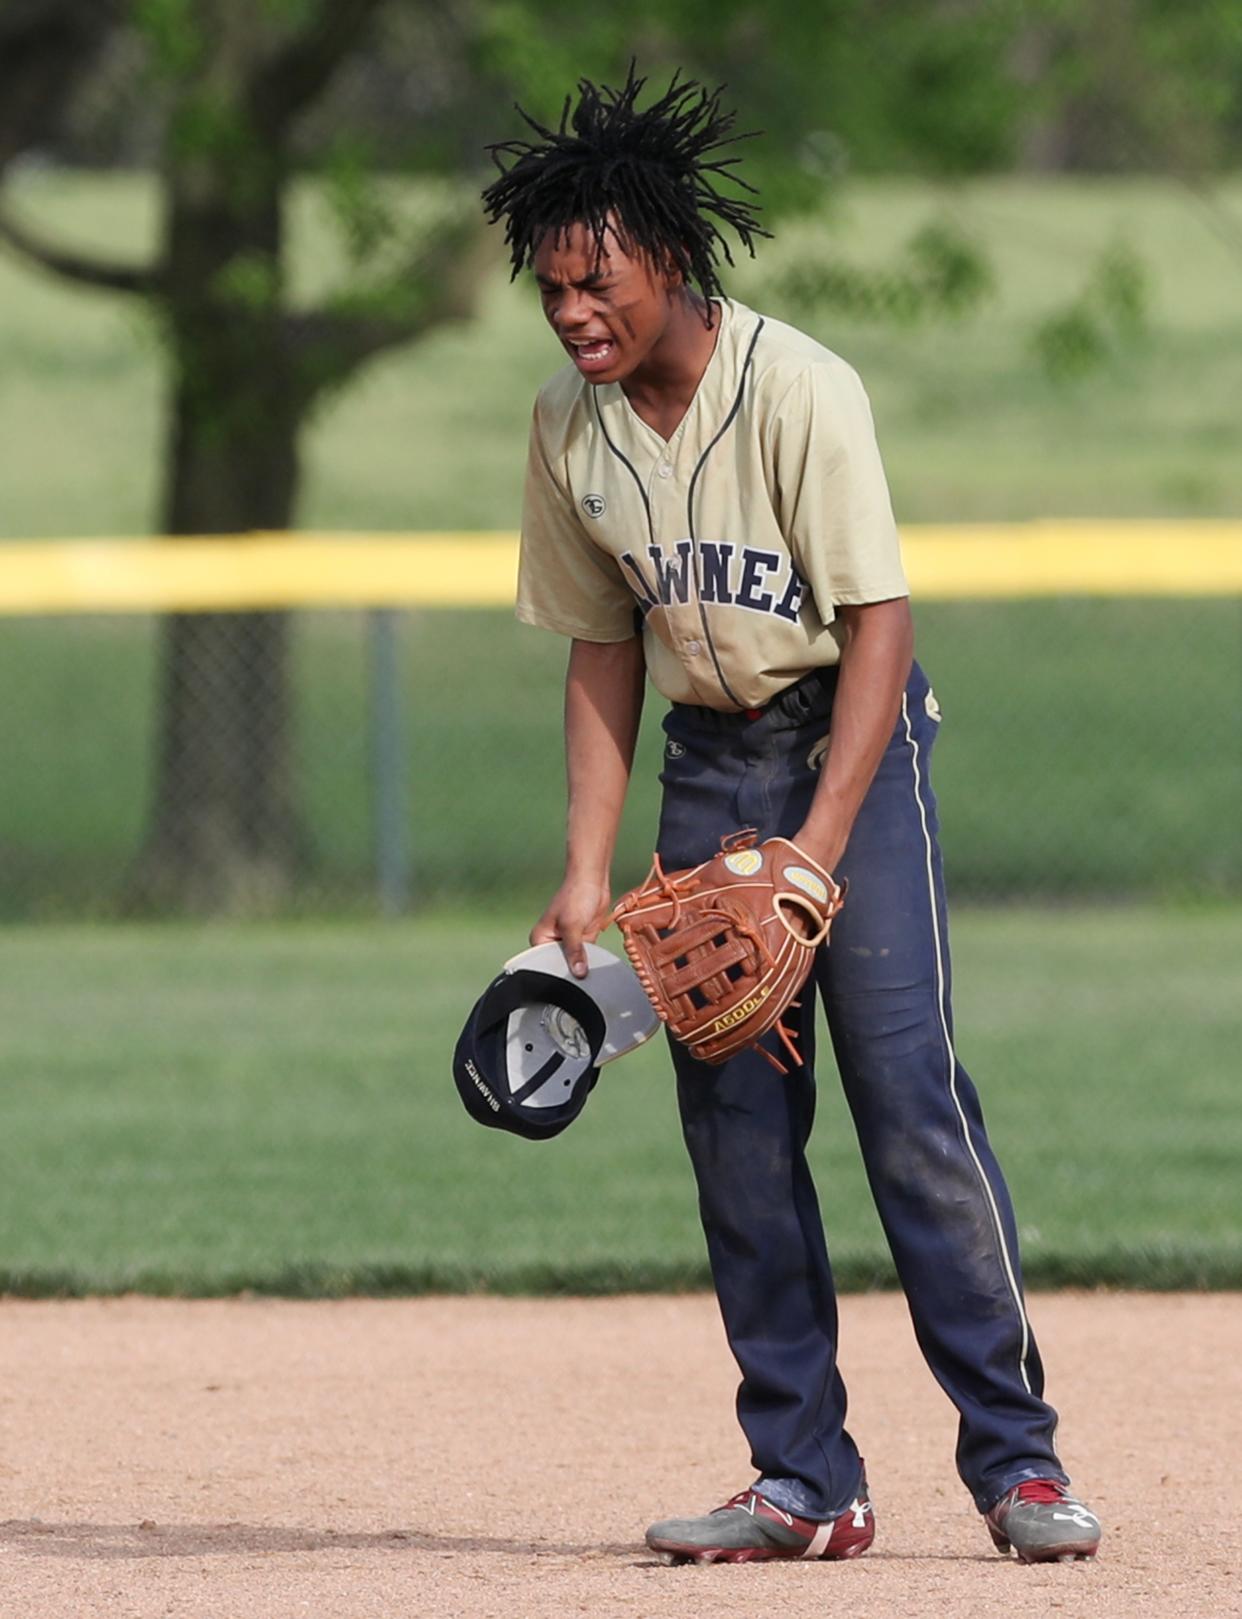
x: 1090, y: 749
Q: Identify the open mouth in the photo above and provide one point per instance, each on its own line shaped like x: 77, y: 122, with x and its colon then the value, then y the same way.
x: 591, y: 353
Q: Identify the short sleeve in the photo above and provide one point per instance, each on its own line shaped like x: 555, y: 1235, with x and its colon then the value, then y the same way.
x: 566, y: 583
x: 831, y: 491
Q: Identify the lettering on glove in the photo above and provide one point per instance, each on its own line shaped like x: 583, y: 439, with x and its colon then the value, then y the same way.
x: 723, y: 949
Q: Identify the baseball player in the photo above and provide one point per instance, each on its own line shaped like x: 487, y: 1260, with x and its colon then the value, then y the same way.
x: 706, y: 508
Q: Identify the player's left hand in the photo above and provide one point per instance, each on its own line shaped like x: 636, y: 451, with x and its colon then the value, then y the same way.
x: 824, y: 845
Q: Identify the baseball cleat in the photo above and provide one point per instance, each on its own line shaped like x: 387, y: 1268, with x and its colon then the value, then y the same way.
x: 749, y: 1529
x: 1043, y: 1523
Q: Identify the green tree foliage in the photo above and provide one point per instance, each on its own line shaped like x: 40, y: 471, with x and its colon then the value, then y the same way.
x: 1147, y: 85
x: 1105, y: 320
x: 247, y: 364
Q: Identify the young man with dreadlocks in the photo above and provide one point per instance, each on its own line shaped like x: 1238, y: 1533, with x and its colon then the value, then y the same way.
x: 705, y: 505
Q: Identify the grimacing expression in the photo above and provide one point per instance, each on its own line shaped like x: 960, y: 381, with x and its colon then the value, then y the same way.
x: 609, y: 309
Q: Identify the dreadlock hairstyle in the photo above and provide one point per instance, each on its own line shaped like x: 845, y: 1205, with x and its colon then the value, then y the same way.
x: 655, y: 173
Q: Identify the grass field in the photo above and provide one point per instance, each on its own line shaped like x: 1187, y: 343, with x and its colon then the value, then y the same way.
x: 209, y: 1110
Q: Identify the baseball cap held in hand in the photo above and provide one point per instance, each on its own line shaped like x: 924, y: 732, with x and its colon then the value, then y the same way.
x: 536, y: 1039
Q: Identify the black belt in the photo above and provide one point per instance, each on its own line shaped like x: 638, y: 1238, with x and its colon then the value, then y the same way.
x: 793, y: 705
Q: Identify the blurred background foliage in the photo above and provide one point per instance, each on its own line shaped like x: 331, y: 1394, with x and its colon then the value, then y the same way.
x: 839, y: 86
x: 1019, y: 218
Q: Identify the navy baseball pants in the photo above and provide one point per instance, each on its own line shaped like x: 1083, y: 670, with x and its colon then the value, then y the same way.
x: 884, y: 983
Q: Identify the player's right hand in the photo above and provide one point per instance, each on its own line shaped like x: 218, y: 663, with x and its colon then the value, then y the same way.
x: 573, y: 917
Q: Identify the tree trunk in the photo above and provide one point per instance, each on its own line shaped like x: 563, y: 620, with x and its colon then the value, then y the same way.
x: 223, y: 833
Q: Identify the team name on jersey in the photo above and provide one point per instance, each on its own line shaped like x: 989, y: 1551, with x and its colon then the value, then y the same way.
x: 731, y: 575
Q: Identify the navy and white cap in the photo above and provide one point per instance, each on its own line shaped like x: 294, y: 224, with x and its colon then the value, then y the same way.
x: 534, y: 1044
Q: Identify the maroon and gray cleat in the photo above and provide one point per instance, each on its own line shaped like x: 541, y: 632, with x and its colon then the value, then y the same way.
x: 1043, y: 1523
x: 749, y: 1529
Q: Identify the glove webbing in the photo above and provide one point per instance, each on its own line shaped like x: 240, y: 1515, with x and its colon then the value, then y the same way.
x: 710, y: 946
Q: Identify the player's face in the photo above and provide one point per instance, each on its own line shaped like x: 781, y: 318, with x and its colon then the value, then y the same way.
x: 609, y: 309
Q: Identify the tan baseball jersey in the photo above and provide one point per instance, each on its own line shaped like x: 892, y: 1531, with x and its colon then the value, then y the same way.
x: 735, y: 540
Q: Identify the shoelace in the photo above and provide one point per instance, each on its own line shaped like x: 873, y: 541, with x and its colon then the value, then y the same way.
x: 1040, y: 1491
x: 742, y: 1499
x: 750, y: 1501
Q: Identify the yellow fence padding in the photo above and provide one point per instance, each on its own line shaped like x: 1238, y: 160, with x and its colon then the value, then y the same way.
x: 960, y: 562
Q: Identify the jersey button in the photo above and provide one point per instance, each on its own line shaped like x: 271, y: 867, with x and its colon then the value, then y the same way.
x: 693, y: 648
x: 664, y: 470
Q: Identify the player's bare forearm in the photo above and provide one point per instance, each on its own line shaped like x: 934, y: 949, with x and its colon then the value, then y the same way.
x: 603, y: 705
x: 875, y: 665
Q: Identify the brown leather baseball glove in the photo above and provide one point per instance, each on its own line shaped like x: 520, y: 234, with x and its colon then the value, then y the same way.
x: 723, y: 949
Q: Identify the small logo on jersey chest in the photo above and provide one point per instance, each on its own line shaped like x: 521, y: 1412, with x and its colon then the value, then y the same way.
x: 594, y: 505
x: 674, y: 750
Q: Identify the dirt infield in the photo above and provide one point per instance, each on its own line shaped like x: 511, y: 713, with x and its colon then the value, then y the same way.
x: 499, y: 1459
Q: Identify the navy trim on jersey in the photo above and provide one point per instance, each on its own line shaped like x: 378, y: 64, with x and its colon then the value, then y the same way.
x: 625, y: 462
x: 694, y: 478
